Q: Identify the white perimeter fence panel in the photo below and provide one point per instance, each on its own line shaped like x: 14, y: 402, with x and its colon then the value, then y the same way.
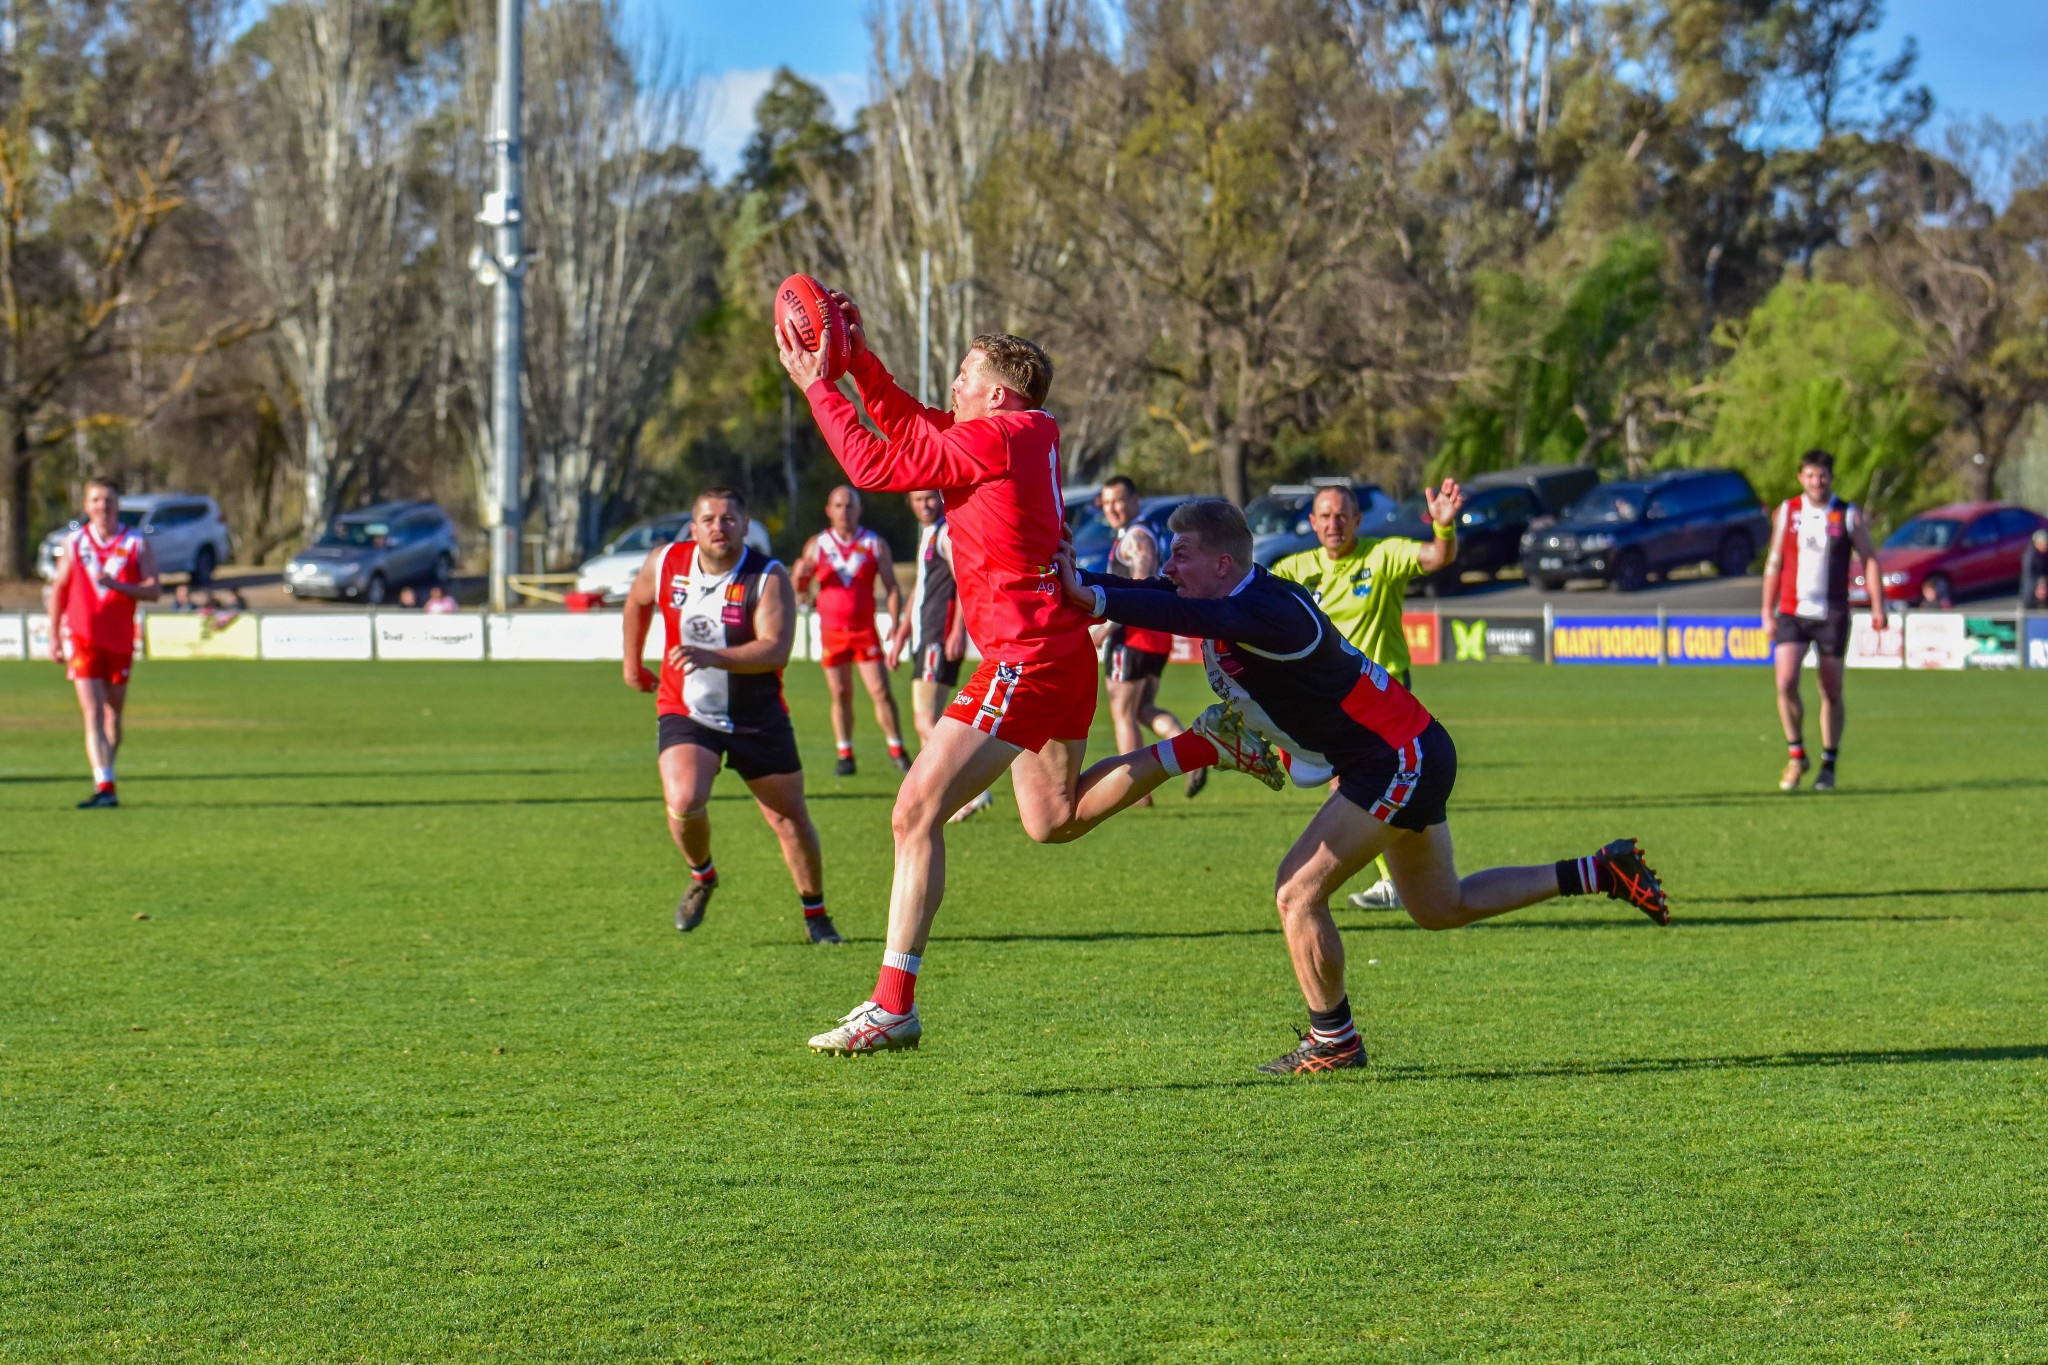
x: 1876, y: 648
x: 586, y: 637
x: 458, y: 635
x: 38, y: 635
x: 1936, y: 640
x: 13, y: 636
x: 309, y: 636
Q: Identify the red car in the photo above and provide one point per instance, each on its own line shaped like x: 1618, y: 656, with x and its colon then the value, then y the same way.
x: 1965, y: 549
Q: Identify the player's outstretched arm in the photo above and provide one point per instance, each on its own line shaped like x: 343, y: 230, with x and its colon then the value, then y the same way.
x: 891, y: 407
x: 640, y: 608
x: 919, y: 456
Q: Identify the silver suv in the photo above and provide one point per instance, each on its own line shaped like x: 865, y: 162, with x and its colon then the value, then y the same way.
x: 184, y: 529
x: 371, y: 552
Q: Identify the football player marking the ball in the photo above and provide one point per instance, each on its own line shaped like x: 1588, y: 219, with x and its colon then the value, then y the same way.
x: 1027, y: 709
x: 103, y: 570
x: 841, y: 566
x: 729, y: 616
x: 1301, y: 688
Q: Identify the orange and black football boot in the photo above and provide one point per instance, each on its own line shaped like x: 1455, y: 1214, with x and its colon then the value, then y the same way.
x: 1315, y: 1056
x: 1631, y: 879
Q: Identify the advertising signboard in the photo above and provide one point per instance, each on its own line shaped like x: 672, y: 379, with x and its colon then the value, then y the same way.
x: 13, y: 636
x: 1604, y: 640
x: 1991, y: 643
x: 458, y: 635
x: 1936, y: 640
x: 38, y: 635
x: 201, y: 635
x: 1716, y: 640
x: 1876, y: 648
x: 1423, y: 645
x: 315, y: 635
x: 2037, y: 642
x: 1494, y: 639
x: 573, y: 636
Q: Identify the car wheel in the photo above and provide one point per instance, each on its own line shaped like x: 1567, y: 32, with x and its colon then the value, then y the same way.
x: 202, y: 566
x: 1732, y: 559
x: 374, y: 594
x: 1631, y: 574
x: 444, y: 570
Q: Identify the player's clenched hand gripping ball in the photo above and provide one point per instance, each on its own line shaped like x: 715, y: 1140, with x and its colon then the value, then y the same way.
x: 807, y: 314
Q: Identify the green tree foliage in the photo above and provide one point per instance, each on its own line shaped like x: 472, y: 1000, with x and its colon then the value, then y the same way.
x: 1824, y: 364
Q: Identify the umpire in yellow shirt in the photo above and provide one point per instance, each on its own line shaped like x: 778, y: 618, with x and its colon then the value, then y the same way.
x: 1361, y: 587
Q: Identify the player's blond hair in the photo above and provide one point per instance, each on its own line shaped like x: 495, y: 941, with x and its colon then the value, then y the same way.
x: 1218, y: 524
x: 1021, y: 365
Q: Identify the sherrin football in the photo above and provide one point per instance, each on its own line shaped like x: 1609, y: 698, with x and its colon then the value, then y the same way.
x: 802, y: 302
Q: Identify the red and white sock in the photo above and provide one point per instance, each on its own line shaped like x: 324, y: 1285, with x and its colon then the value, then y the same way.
x: 896, y: 987
x: 895, y: 747
x: 814, y: 906
x: 706, y: 873
x: 846, y: 748
x: 1186, y: 752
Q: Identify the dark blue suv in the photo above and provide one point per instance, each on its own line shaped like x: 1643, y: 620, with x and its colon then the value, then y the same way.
x: 1622, y: 533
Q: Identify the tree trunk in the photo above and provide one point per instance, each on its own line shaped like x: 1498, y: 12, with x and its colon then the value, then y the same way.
x: 15, y: 551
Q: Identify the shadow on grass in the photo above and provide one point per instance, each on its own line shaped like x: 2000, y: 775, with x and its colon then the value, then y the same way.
x: 1707, y: 800
x: 1391, y: 924
x: 426, y: 802
x: 1902, y: 894
x: 406, y: 773
x: 1624, y: 1066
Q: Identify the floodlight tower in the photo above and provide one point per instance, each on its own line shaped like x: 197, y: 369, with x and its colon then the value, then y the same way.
x: 502, y: 269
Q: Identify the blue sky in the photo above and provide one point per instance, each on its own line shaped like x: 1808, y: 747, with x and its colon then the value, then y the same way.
x: 1978, y: 56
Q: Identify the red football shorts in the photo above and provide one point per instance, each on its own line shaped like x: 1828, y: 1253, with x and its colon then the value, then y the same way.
x: 1028, y: 704
x: 87, y: 662
x: 847, y: 646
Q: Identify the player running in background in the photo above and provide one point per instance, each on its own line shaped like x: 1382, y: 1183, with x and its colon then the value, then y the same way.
x: 995, y: 458
x: 729, y: 616
x: 1361, y: 586
x: 1301, y: 688
x: 1814, y: 537
x: 933, y: 629
x: 103, y: 570
x: 1135, y: 660
x: 842, y: 564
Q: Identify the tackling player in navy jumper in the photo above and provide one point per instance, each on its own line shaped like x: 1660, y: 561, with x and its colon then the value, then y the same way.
x: 1298, y: 696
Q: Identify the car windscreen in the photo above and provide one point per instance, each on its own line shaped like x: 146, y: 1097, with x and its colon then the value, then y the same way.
x: 1411, y: 509
x: 1923, y: 533
x: 130, y: 517
x: 364, y: 534
x: 641, y: 539
x: 1603, y: 506
x: 1270, y: 516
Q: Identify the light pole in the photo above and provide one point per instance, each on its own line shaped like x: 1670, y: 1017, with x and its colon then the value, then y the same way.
x: 502, y: 269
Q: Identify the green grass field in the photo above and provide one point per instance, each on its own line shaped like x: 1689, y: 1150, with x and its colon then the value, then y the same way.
x: 407, y: 1063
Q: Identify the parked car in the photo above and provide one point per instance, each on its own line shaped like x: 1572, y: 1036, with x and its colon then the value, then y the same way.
x: 1964, y: 548
x: 184, y: 529
x: 1500, y: 507
x: 611, y: 570
x: 1622, y: 533
x: 1092, y: 536
x: 1279, y: 520
x: 371, y: 552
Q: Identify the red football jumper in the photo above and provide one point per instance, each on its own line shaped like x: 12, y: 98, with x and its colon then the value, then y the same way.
x: 847, y: 570
x: 1001, y: 479
x: 97, y: 618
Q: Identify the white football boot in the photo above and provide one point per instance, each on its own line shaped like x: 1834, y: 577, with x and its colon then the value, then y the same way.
x: 972, y: 808
x: 1381, y: 895
x: 870, y: 1028
x: 1238, y: 747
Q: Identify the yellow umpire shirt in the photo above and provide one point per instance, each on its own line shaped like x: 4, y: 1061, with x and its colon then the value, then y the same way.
x: 1362, y: 593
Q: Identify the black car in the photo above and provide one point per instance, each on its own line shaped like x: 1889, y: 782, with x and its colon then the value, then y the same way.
x: 1499, y: 507
x: 1622, y: 533
x: 373, y: 551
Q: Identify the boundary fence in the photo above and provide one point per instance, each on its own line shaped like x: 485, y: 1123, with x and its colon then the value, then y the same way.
x: 1451, y: 634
